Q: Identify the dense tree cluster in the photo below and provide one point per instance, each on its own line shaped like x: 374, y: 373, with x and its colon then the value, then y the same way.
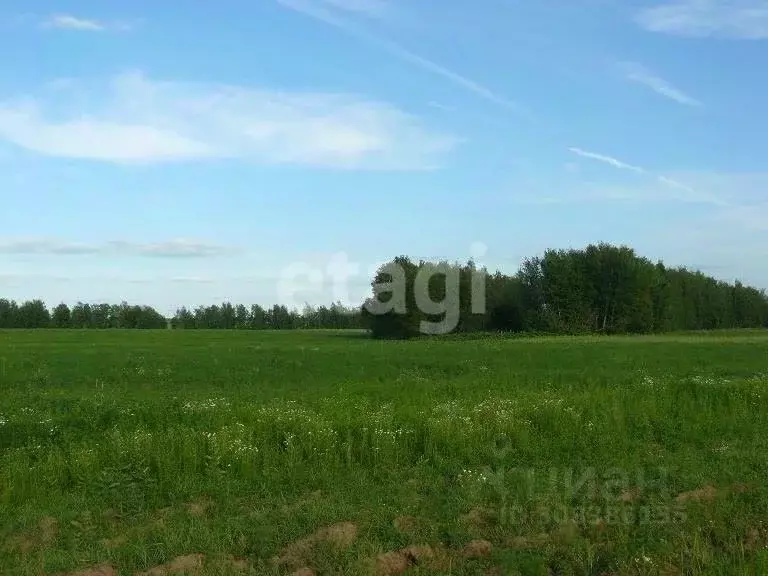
x: 34, y: 314
x: 600, y: 289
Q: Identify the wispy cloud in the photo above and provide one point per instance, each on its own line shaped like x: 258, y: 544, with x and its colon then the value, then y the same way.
x: 136, y: 119
x: 640, y: 74
x: 443, y: 107
x: 607, y: 160
x: 370, y: 8
x: 177, y: 248
x: 742, y: 19
x: 320, y: 11
x: 69, y: 22
x: 691, y: 194
x: 674, y: 183
x: 65, y: 21
x: 682, y: 192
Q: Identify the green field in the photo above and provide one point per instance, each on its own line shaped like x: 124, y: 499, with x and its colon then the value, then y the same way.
x: 257, y: 452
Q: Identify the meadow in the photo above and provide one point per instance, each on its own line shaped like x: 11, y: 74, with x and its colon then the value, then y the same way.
x: 323, y: 452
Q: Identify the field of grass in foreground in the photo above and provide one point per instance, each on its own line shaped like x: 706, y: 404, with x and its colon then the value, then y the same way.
x: 204, y: 452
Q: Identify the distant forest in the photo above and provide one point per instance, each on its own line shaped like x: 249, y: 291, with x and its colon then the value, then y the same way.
x: 599, y: 289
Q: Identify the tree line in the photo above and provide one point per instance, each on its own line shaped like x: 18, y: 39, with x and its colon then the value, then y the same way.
x: 599, y: 289
x: 34, y: 314
x: 255, y: 317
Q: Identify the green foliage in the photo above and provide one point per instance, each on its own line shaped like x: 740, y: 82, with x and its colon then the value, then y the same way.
x: 392, y: 311
x: 34, y: 314
x: 227, y: 316
x: 62, y: 316
x: 8, y: 313
x: 600, y: 289
x: 141, y: 446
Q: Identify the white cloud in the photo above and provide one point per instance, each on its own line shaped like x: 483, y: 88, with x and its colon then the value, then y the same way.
x: 675, y: 184
x: 177, y: 248
x: 638, y: 73
x: 319, y: 11
x: 673, y: 191
x: 65, y: 21
x: 742, y: 19
x: 69, y: 22
x: 730, y: 195
x: 97, y: 139
x: 138, y: 119
x: 606, y: 159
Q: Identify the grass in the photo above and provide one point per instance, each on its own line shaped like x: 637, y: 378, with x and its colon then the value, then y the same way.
x: 127, y: 450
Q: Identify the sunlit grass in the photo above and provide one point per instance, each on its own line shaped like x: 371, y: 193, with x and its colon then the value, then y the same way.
x: 566, y: 454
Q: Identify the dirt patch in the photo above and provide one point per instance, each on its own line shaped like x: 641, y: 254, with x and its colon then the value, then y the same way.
x: 100, y: 570
x: 418, y: 554
x: 49, y: 529
x: 478, y: 518
x: 115, y: 542
x: 629, y: 495
x: 238, y: 564
x: 399, y: 561
x: 41, y: 537
x: 563, y: 535
x: 706, y: 494
x: 600, y: 525
x: 189, y: 564
x: 741, y: 487
x: 304, y: 572
x: 756, y: 539
x: 528, y: 542
x: 227, y: 562
x: 477, y: 549
x: 405, y: 524
x: 391, y: 563
x: 339, y: 536
x: 197, y: 508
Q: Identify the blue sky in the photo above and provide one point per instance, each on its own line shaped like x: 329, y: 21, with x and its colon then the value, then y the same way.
x: 182, y: 157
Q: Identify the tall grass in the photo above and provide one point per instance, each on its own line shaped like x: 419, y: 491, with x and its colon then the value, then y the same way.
x: 114, y: 433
